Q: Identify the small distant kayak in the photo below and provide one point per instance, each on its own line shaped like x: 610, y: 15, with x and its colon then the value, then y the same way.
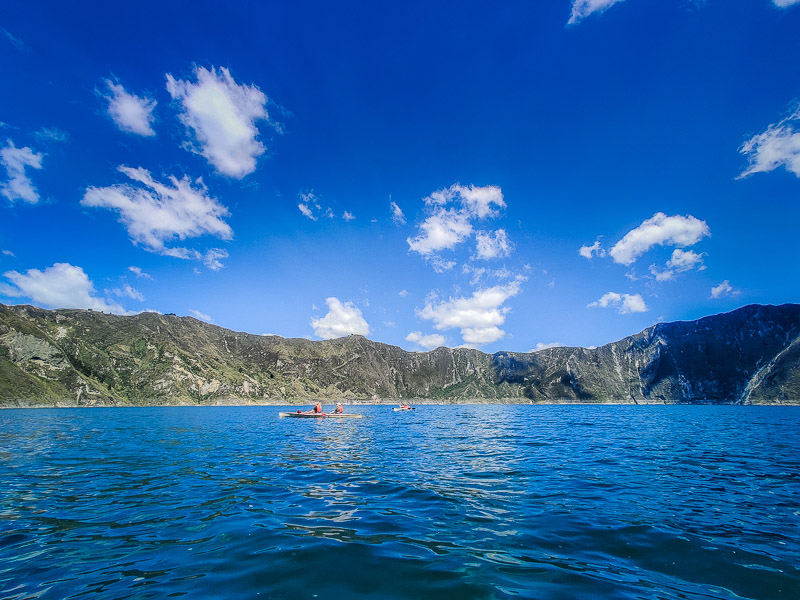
x: 397, y: 408
x: 310, y: 415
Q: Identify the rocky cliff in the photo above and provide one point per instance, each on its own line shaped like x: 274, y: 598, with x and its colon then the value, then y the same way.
x: 77, y: 357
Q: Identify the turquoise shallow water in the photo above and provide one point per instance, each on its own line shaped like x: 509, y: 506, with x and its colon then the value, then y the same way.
x: 542, y: 502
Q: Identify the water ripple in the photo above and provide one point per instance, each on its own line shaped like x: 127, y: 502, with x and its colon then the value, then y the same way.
x: 443, y: 502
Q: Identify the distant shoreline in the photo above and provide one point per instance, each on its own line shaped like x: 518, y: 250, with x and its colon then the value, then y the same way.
x: 22, y: 404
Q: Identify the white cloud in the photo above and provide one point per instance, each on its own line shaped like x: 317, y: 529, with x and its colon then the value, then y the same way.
x: 583, y: 8
x: 342, y: 319
x: 477, y: 316
x: 128, y: 291
x: 443, y: 230
x: 131, y: 113
x: 589, y: 251
x: 52, y: 134
x: 212, y: 257
x: 492, y: 244
x: 202, y: 316
x: 306, y: 210
x: 19, y: 186
x: 402, y: 293
x: 545, y: 346
x: 785, y: 3
x: 397, y: 214
x: 61, y: 286
x: 221, y: 116
x: 451, y: 213
x: 311, y: 207
x: 680, y: 262
x: 155, y: 214
x: 778, y: 146
x: 625, y: 303
x: 139, y: 273
x: 659, y: 230
x: 440, y: 265
x: 348, y: 216
x: 8, y: 253
x: 429, y: 342
x: 722, y: 290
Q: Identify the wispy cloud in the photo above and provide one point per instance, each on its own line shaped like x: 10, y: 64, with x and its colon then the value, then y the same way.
x: 583, y: 8
x: 127, y: 291
x: 492, y: 244
x: 139, y: 273
x: 785, y: 3
x: 61, y: 286
x: 52, y: 134
x: 343, y: 318
x: 19, y: 186
x: 156, y: 214
x: 200, y: 315
x: 625, y: 303
x: 221, y: 116
x: 131, y: 113
x: 14, y: 40
x: 778, y: 146
x: 397, y: 214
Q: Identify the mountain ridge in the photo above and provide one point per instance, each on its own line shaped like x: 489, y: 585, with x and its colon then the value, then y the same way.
x: 74, y: 357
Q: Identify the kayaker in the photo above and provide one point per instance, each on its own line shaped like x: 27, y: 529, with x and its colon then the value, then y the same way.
x: 339, y: 409
x: 317, y: 408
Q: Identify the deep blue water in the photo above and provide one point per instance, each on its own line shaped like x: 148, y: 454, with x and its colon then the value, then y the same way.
x: 465, y: 502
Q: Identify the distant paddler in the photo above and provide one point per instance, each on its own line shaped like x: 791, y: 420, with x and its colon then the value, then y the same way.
x: 339, y: 409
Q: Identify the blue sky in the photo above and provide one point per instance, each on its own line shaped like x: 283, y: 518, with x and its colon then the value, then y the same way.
x: 504, y: 176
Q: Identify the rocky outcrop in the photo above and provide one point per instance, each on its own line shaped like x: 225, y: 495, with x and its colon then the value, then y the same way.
x: 77, y: 357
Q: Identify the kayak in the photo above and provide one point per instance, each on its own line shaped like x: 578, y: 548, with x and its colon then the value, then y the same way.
x: 397, y: 408
x: 309, y: 415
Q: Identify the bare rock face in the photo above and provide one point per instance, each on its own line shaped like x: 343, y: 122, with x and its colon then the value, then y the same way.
x: 76, y: 357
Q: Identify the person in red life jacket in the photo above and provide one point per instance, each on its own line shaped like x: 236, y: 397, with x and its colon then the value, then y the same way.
x: 339, y: 409
x: 317, y: 408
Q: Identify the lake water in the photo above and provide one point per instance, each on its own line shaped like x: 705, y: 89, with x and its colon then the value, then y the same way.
x: 462, y: 502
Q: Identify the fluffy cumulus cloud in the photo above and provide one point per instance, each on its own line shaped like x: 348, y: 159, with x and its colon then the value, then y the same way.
x: 221, y: 116
x: 156, y: 214
x: 429, y: 342
x: 778, y: 146
x: 16, y: 160
x: 477, y: 317
x: 61, y: 286
x: 659, y: 230
x: 583, y: 8
x: 397, y: 214
x: 343, y: 319
x: 131, y: 113
x: 723, y: 289
x: 624, y: 303
x: 452, y: 213
x: 492, y: 244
